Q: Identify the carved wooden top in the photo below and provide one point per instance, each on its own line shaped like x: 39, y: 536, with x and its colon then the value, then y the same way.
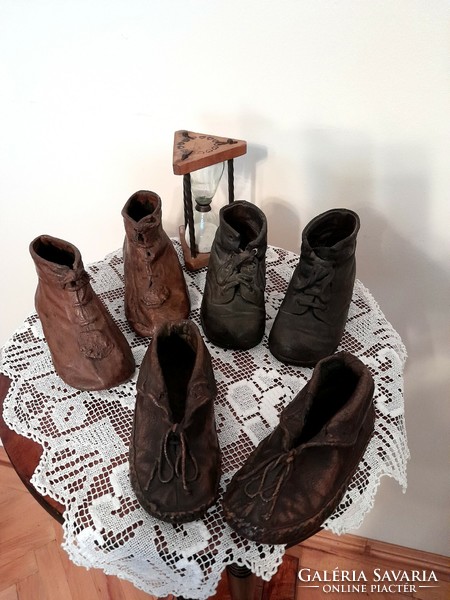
x: 193, y: 151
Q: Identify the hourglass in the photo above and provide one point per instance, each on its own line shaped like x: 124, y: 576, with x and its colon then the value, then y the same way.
x: 201, y: 158
x: 204, y: 183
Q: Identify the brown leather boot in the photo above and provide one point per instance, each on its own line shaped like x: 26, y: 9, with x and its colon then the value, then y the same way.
x: 295, y: 479
x: 233, y: 312
x: 88, y: 350
x: 155, y: 288
x: 174, y: 451
x: 312, y: 317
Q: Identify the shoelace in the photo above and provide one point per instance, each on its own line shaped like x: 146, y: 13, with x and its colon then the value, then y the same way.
x: 315, y: 292
x: 75, y: 280
x: 174, y: 442
x: 157, y: 293
x: 268, y: 492
x: 92, y: 341
x: 139, y: 240
x: 240, y: 269
x: 138, y: 237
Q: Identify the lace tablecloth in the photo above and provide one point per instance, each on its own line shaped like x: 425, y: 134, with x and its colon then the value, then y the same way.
x: 85, y: 437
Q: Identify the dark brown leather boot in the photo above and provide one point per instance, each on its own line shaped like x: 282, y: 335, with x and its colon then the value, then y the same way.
x: 174, y: 451
x: 296, y: 477
x: 155, y: 288
x: 88, y: 350
x: 233, y: 311
x: 311, y: 319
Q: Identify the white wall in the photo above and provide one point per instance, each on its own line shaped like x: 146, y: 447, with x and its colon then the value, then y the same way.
x: 343, y: 103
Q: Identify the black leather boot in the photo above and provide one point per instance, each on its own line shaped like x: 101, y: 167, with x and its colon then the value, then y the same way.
x: 232, y: 311
x: 311, y: 320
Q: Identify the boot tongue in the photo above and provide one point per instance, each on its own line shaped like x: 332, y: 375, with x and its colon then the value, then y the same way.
x: 330, y: 242
x: 340, y: 251
x: 293, y: 417
x: 242, y: 227
x: 324, y: 252
x: 229, y: 237
x: 142, y: 215
x: 197, y: 389
x: 143, y: 232
x: 60, y: 261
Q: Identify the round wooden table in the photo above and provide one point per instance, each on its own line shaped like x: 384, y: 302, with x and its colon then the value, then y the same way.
x: 252, y: 389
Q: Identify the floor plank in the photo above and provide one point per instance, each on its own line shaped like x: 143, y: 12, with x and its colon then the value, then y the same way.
x: 14, y: 547
x: 9, y: 593
x: 107, y: 586
x: 10, y: 479
x: 31, y: 588
x: 52, y: 572
x: 132, y: 593
x: 15, y: 570
x: 80, y: 580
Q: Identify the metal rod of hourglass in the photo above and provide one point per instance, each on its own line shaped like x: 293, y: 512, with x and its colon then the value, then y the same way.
x: 230, y: 169
x: 189, y: 212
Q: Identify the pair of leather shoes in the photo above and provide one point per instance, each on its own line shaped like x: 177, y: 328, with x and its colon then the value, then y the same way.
x: 291, y: 482
x: 88, y: 350
x: 311, y: 319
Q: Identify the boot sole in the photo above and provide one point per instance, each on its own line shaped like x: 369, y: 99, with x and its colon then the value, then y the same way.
x: 295, y: 363
x: 299, y: 363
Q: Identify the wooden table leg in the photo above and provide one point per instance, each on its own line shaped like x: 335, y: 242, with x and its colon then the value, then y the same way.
x: 241, y: 585
x: 241, y: 582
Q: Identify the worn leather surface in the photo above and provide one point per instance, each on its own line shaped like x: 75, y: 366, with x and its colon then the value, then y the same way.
x: 232, y: 311
x: 88, y: 350
x: 296, y: 477
x: 311, y: 319
x: 174, y: 451
x: 155, y: 288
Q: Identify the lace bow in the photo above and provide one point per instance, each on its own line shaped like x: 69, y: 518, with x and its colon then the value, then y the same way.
x: 75, y: 280
x: 267, y: 491
x: 240, y: 270
x: 174, y: 457
x: 315, y: 292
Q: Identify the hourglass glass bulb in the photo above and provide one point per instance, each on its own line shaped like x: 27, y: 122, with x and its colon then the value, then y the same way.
x: 204, y: 183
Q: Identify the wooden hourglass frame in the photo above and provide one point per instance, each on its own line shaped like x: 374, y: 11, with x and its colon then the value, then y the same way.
x: 191, y: 152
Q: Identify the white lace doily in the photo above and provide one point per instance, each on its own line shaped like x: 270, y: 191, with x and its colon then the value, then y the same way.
x: 85, y: 438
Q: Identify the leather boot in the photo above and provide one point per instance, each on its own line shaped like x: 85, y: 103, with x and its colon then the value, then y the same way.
x: 295, y: 479
x: 155, y: 288
x: 312, y: 317
x: 233, y: 311
x: 88, y: 350
x: 174, y: 452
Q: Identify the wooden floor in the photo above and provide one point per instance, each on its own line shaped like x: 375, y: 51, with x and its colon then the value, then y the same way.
x: 34, y: 567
